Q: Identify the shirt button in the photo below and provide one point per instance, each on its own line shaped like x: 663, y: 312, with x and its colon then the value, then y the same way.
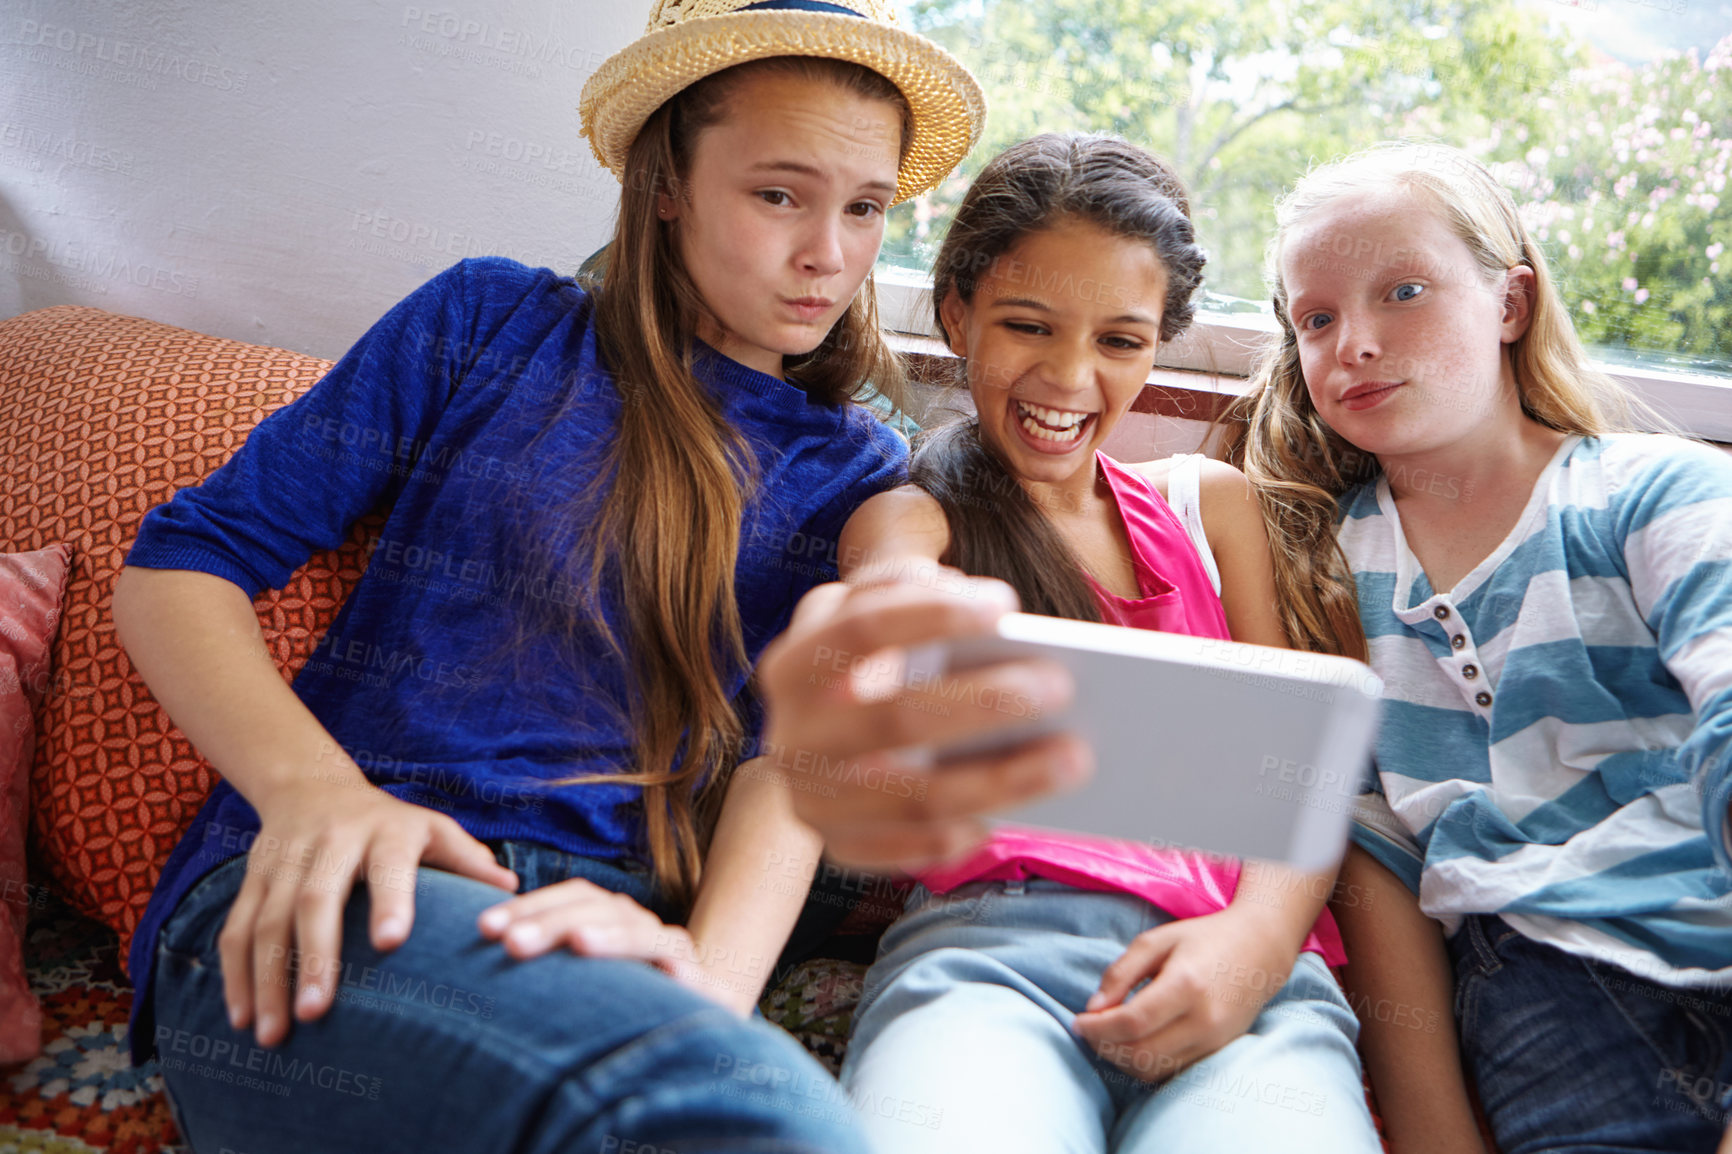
x: 1482, y: 697
x: 1470, y: 671
x: 1459, y: 640
x: 1441, y: 612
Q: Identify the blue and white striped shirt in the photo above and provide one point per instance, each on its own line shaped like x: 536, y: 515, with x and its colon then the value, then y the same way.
x: 1557, y: 728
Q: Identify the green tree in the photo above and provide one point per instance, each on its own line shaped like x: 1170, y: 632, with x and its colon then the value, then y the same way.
x: 1241, y: 98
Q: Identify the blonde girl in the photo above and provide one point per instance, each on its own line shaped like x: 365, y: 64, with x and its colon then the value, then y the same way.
x: 1545, y: 596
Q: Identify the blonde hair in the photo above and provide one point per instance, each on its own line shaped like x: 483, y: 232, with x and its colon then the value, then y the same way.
x: 1300, y: 466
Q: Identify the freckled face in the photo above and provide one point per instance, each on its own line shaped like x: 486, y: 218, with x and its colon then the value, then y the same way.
x: 1400, y: 336
x: 1059, y: 338
x: 782, y: 213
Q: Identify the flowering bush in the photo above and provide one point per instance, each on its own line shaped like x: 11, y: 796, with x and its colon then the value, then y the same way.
x: 1629, y: 197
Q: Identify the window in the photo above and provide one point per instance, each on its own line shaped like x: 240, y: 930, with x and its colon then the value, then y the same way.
x: 1609, y: 120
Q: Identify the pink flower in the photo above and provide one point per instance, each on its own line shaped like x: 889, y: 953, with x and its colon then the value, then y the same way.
x: 1629, y: 284
x: 1641, y: 296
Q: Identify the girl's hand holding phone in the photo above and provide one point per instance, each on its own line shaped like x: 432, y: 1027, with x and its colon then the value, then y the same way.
x: 837, y: 719
x: 314, y: 843
x: 1208, y: 978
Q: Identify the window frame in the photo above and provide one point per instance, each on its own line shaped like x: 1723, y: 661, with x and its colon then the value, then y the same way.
x: 1213, y: 359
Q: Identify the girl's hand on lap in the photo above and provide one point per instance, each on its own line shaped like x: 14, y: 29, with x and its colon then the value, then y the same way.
x: 1209, y: 978
x: 587, y: 919
x: 285, y: 928
x: 837, y: 718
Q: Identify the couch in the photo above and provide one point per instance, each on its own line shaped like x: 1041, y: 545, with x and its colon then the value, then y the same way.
x: 102, y: 417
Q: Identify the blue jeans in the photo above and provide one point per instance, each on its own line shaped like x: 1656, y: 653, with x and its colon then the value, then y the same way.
x: 962, y: 1041
x: 1574, y: 1055
x: 447, y: 1044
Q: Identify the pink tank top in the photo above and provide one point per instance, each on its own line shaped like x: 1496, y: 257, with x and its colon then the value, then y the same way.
x: 1177, y: 596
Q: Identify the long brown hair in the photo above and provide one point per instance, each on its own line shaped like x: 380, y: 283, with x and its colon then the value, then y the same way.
x: 664, y: 517
x: 1300, y: 466
x: 996, y: 528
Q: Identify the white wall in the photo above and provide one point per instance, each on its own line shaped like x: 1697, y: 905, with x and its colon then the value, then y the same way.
x: 284, y: 172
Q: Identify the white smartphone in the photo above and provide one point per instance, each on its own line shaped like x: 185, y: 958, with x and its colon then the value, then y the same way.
x: 1213, y: 745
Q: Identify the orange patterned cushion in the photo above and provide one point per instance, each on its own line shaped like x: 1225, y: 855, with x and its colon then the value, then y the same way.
x: 101, y: 418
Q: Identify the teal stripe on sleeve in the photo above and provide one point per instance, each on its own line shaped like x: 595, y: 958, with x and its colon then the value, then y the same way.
x: 1394, y: 857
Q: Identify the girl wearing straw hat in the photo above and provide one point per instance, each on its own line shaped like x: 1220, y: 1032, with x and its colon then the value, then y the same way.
x: 602, y: 507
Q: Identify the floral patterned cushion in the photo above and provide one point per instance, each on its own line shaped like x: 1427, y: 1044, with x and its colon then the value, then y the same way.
x: 32, y: 586
x: 102, y: 417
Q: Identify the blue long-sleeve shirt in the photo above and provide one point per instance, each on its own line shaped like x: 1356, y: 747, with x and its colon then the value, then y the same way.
x: 479, y: 411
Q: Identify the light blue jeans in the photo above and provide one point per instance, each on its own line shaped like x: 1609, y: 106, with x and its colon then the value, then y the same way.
x: 962, y: 1041
x: 446, y: 1044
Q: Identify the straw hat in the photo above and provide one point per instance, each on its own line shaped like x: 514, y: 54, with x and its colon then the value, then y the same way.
x: 689, y: 39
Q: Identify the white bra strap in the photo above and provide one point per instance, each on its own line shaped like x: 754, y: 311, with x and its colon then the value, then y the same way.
x: 1184, y: 496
